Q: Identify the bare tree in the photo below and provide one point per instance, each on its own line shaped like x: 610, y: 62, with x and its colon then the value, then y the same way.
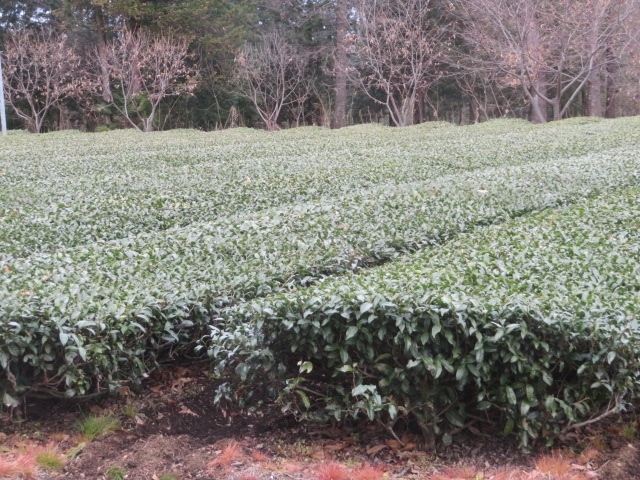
x: 271, y: 74
x: 144, y: 70
x: 341, y: 67
x: 550, y: 48
x: 398, y: 50
x: 623, y: 83
x: 305, y: 90
x: 40, y: 71
x: 615, y: 67
x: 101, y: 50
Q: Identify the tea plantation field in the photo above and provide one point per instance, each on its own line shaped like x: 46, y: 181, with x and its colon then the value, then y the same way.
x: 435, y: 272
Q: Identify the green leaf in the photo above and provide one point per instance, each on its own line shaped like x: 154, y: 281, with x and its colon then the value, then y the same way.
x: 530, y: 392
x: 365, y: 307
x: 4, y: 360
x: 508, y: 428
x: 474, y: 370
x: 242, y: 371
x: 351, y: 332
x: 306, y: 367
x: 393, y: 412
x: 454, y: 418
x: 9, y: 401
x: 413, y: 363
x: 305, y: 399
x: 435, y: 330
x: 362, y: 389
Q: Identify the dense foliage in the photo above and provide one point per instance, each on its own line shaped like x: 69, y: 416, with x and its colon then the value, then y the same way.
x: 119, y: 251
x: 533, y: 322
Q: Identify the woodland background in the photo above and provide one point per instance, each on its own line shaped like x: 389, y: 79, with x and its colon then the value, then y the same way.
x: 98, y: 65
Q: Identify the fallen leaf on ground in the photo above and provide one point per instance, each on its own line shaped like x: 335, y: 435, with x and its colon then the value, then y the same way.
x: 393, y: 444
x: 376, y: 448
x: 186, y: 410
x: 335, y: 447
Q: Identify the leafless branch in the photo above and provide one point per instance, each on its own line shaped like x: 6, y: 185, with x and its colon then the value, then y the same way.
x: 40, y: 71
x: 145, y: 69
x: 271, y: 74
x: 398, y: 50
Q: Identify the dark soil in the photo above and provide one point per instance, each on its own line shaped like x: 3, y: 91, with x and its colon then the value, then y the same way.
x: 173, y: 431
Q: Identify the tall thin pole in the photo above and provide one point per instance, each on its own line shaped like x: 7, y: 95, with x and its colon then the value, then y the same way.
x: 3, y: 116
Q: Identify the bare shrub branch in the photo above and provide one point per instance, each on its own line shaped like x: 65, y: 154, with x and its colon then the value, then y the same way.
x: 145, y: 69
x: 40, y: 71
x: 398, y: 50
x: 271, y: 74
x: 550, y: 49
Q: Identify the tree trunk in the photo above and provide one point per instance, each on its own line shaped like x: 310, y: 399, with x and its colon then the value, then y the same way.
x: 406, y: 113
x: 64, y: 119
x: 271, y: 124
x: 538, y: 103
x: 147, y: 124
x: 419, y: 115
x: 537, y: 85
x: 474, y: 114
x: 594, y: 94
x: 340, y: 109
x: 594, y: 80
x: 36, y: 125
x: 556, y: 109
x: 538, y: 107
x: 102, y: 54
x: 611, y: 109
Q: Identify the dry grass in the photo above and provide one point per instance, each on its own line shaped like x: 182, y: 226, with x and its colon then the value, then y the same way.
x: 554, y: 465
x: 461, y: 473
x: 258, y: 456
x: 248, y: 476
x: 331, y: 471
x: 7, y: 468
x: 367, y: 472
x: 510, y: 474
x: 231, y: 453
x: 22, y: 465
x: 588, y: 455
x: 291, y: 467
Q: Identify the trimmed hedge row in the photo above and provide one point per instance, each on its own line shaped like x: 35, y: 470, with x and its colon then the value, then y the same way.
x: 80, y: 315
x: 85, y: 189
x: 531, y: 326
x: 81, y: 319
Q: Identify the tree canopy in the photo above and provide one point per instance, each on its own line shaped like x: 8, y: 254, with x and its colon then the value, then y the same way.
x: 320, y: 62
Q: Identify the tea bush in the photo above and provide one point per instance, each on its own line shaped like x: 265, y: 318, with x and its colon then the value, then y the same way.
x: 531, y: 325
x: 119, y: 250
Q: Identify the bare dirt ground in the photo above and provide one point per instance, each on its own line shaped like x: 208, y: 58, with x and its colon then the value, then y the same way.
x: 172, y: 431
